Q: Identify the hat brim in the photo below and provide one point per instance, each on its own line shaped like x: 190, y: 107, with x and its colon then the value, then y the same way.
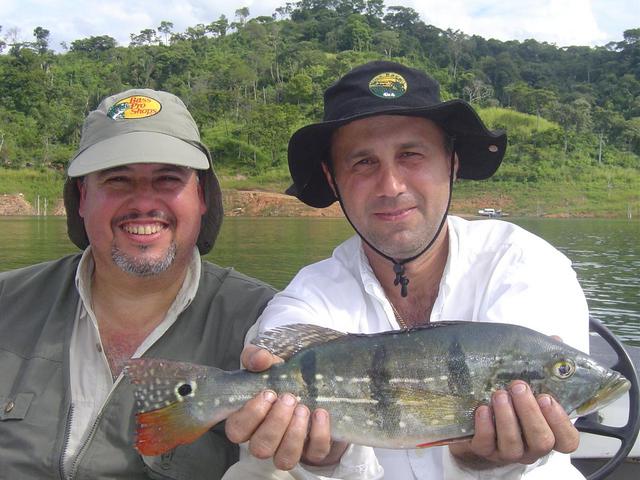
x: 137, y: 147
x: 480, y: 151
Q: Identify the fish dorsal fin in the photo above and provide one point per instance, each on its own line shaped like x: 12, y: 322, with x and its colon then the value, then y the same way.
x: 287, y: 340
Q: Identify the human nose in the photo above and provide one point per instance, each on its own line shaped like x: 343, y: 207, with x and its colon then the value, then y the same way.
x: 143, y: 195
x: 390, y: 180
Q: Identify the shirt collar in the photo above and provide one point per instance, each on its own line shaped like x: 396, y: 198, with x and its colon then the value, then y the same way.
x: 183, y: 299
x: 372, y: 285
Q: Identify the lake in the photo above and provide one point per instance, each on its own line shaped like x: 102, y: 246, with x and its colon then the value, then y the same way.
x: 606, y: 253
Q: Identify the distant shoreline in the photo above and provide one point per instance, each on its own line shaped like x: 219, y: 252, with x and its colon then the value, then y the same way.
x: 258, y: 203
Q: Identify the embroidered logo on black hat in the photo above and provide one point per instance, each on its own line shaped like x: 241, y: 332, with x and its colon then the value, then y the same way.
x: 136, y: 106
x: 388, y: 85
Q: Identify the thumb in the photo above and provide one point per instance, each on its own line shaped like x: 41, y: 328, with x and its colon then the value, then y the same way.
x: 256, y: 359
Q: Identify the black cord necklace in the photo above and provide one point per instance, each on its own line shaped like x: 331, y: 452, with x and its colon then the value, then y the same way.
x: 398, y: 264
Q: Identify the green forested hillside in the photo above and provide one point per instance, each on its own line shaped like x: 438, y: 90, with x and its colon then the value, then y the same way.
x: 572, y: 114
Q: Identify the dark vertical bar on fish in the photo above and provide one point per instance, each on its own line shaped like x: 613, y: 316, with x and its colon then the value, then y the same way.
x: 308, y: 370
x: 459, y: 377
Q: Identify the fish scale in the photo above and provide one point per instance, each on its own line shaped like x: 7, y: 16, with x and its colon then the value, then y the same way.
x: 401, y: 389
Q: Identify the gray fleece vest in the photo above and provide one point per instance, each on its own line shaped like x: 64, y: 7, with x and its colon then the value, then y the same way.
x: 37, y: 309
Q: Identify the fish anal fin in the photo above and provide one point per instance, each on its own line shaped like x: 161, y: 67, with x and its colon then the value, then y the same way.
x: 447, y: 441
x: 287, y: 340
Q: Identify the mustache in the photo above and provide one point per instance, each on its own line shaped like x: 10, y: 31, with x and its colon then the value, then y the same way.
x: 391, y: 203
x: 153, y: 214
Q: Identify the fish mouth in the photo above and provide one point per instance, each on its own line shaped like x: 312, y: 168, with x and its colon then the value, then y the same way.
x: 615, y: 386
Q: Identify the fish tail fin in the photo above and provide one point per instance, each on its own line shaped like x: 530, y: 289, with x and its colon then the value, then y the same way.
x: 170, y: 410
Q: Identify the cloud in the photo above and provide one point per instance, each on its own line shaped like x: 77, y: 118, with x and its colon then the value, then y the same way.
x: 563, y: 22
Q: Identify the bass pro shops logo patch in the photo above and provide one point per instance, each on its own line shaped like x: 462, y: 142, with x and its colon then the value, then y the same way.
x: 136, y: 106
x: 388, y: 85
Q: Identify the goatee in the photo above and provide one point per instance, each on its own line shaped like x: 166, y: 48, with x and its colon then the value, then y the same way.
x: 141, y: 266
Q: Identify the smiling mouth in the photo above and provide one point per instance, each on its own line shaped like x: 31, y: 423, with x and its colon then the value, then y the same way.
x: 147, y: 229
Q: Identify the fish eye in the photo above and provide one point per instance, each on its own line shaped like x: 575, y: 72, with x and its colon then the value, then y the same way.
x: 185, y: 390
x: 564, y: 369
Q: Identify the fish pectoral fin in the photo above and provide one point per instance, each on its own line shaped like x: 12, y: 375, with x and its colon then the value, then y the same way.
x: 163, y: 429
x: 287, y: 340
x: 435, y: 408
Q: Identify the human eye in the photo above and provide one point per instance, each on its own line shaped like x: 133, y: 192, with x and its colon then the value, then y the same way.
x: 115, y: 180
x: 410, y: 154
x: 169, y: 180
x: 363, y: 162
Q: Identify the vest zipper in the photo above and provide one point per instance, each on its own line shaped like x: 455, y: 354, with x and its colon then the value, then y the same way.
x: 65, y: 443
x: 92, y: 432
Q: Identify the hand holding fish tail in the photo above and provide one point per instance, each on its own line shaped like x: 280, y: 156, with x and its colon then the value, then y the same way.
x: 279, y: 427
x: 517, y: 428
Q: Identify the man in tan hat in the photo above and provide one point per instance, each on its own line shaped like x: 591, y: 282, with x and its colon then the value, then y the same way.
x: 389, y: 151
x: 143, y: 203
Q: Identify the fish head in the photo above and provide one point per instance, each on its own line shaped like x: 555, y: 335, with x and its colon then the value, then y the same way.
x: 579, y: 383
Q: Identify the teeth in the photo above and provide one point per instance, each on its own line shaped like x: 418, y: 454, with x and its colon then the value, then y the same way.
x: 143, y: 229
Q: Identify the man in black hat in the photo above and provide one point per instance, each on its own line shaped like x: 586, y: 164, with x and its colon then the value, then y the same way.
x: 389, y: 150
x: 143, y: 203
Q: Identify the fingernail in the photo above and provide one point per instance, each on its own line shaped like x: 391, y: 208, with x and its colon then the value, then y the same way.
x: 320, y: 416
x: 500, y: 398
x: 483, y: 412
x: 544, y: 401
x: 301, y: 411
x: 518, y: 388
x: 288, y: 400
x: 269, y: 396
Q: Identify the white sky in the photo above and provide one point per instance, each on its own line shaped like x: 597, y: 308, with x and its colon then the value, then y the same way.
x: 562, y: 22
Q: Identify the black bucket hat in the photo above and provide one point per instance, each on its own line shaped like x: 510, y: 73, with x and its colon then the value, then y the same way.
x: 142, y: 126
x: 388, y: 88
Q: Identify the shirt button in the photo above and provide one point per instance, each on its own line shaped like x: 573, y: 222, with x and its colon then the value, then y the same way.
x: 98, y: 347
x: 9, y: 406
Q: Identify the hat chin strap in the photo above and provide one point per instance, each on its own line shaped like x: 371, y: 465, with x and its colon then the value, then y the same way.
x: 398, y: 264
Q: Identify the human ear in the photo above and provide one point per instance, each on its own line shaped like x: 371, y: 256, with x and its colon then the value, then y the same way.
x: 330, y: 179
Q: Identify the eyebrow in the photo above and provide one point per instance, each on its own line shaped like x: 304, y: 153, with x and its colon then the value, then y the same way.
x: 367, y: 151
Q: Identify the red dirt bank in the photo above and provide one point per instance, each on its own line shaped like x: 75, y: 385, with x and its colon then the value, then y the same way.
x: 254, y: 203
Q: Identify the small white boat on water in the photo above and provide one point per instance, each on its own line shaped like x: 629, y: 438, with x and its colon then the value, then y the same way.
x: 491, y: 212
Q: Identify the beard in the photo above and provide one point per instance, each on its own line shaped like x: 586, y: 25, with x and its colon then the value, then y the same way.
x: 142, y: 266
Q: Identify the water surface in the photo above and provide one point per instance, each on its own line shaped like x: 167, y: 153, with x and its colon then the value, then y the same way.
x: 606, y: 253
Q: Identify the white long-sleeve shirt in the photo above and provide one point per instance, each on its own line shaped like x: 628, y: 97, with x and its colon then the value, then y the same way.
x: 495, y: 272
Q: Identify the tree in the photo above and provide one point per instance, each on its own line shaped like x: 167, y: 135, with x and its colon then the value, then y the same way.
x: 147, y: 37
x: 166, y: 29
x: 299, y: 88
x: 475, y: 90
x: 241, y: 15
x: 632, y: 134
x: 42, y: 40
x: 401, y: 18
x: 374, y: 9
x: 357, y: 34
x: 3, y: 44
x: 387, y: 42
x: 458, y: 46
x: 219, y: 27
x: 93, y: 46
